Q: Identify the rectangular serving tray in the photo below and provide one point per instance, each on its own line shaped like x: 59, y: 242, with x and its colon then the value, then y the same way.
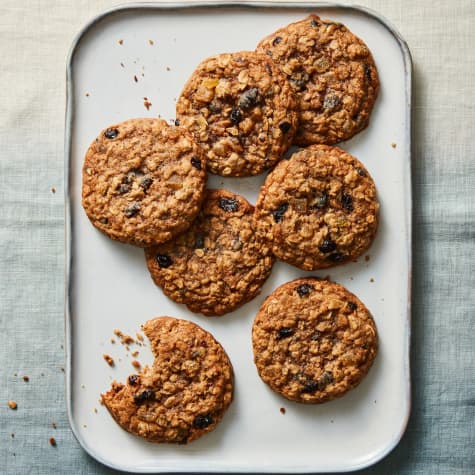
x: 148, y: 51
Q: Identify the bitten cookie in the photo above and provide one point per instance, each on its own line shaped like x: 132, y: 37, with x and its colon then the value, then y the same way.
x: 186, y: 391
x: 241, y: 110
x: 218, y: 264
x: 143, y: 181
x: 318, y: 209
x: 333, y: 75
x: 313, y: 340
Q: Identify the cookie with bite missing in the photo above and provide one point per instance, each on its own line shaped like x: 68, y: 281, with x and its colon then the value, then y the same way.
x: 143, y: 181
x: 186, y: 391
x: 219, y: 263
x: 313, y: 340
x: 332, y: 73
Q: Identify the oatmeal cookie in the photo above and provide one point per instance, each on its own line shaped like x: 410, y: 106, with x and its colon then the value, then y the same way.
x: 333, y: 75
x: 313, y: 340
x: 218, y: 264
x: 241, y: 110
x: 186, y: 391
x: 143, y: 181
x: 318, y: 209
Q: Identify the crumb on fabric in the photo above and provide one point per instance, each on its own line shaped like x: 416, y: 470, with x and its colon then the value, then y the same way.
x: 168, y: 68
x: 121, y: 42
x: 12, y: 405
x: 26, y: 378
x: 52, y: 441
x: 393, y: 144
x: 372, y: 279
x: 53, y: 425
x: 150, y: 42
x: 53, y: 190
x: 135, y: 353
x: 136, y: 79
x: 136, y: 364
x: 282, y: 410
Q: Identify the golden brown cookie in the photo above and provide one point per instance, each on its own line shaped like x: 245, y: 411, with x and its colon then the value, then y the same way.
x: 218, y: 264
x: 333, y: 75
x: 186, y: 391
x: 313, y: 340
x: 241, y: 110
x: 143, y: 181
x: 318, y: 209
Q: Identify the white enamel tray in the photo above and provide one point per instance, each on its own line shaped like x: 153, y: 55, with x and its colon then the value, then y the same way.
x: 108, y: 285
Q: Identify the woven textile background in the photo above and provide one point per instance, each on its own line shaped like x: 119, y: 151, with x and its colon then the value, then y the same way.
x: 35, y: 36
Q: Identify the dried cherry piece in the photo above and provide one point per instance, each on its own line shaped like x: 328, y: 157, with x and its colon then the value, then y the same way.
x: 164, y: 261
x: 228, y: 204
x: 202, y: 421
x: 279, y: 212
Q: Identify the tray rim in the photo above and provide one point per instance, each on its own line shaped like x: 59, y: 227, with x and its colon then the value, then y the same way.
x: 68, y: 234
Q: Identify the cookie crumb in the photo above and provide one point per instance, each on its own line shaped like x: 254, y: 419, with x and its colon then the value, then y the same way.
x: 52, y: 441
x: 53, y: 190
x: 121, y: 42
x: 53, y: 425
x: 371, y: 280
x: 282, y: 410
x: 26, y: 378
x: 122, y: 65
x: 150, y: 42
x: 12, y: 435
x: 12, y: 405
x: 135, y: 353
x: 136, y: 364
x: 124, y: 339
x: 393, y: 144
x: 113, y: 341
x: 95, y: 410
x: 87, y: 94
x: 168, y: 68
x: 136, y: 78
x: 109, y: 360
x: 147, y: 104
x: 139, y: 336
x: 367, y: 258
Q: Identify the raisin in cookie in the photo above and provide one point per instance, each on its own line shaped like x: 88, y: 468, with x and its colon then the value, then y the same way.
x: 143, y: 181
x: 313, y: 340
x: 318, y: 209
x: 333, y: 75
x: 186, y: 391
x: 241, y: 110
x: 218, y: 264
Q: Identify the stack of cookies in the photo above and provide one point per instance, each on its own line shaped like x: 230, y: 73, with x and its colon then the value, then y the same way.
x: 312, y: 84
